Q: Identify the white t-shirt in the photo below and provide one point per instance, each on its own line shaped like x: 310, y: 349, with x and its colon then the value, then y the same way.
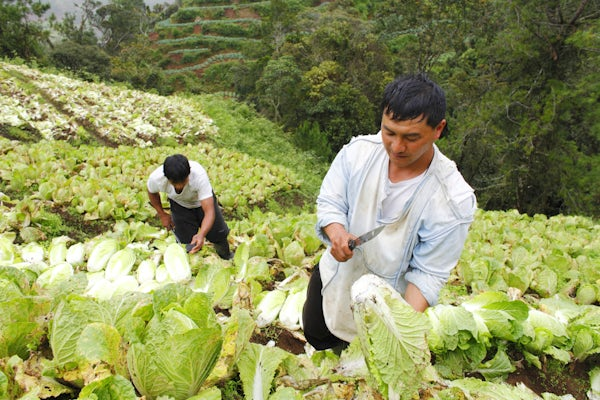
x: 197, y: 189
x: 397, y: 195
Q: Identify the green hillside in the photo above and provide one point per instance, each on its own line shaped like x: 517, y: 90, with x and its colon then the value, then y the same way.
x: 97, y: 301
x: 201, y: 35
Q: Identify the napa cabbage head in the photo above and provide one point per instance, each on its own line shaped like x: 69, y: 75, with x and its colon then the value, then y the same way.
x: 392, y: 336
x: 179, y: 348
x: 101, y: 253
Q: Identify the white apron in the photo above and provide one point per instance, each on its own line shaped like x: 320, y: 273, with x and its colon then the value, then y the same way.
x: 387, y: 255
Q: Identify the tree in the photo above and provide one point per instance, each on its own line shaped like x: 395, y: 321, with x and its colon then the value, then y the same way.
x: 279, y: 87
x: 21, y: 32
x: 528, y: 138
x: 79, y: 29
x: 138, y: 63
x: 340, y: 110
x: 121, y: 21
x: 82, y: 59
x: 343, y: 67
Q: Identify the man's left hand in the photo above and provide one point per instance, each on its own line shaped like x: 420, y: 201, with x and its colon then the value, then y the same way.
x: 197, y: 242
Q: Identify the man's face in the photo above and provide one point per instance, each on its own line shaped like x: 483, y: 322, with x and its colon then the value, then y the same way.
x: 409, y: 143
x: 178, y: 186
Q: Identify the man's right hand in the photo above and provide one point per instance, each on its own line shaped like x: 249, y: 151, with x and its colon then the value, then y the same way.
x: 166, y: 221
x: 339, y: 237
x: 165, y: 217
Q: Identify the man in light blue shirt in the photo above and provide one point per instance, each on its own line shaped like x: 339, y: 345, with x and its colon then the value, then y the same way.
x: 400, y: 179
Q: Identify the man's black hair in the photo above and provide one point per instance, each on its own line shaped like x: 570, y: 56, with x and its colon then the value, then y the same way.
x: 176, y: 168
x: 411, y: 96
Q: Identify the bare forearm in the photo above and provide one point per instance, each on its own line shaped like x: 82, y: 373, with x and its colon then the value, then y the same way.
x: 415, y: 298
x: 207, y: 222
x: 156, y: 203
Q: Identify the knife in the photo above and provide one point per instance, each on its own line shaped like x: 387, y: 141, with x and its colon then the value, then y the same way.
x: 353, y: 243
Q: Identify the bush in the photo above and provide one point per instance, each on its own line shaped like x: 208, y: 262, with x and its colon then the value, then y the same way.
x: 79, y: 58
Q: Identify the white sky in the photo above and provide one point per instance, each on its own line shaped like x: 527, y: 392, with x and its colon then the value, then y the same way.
x: 60, y: 7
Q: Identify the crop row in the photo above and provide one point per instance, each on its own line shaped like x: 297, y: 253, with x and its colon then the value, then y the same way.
x: 222, y: 27
x: 126, y: 302
x: 64, y: 108
x: 109, y: 183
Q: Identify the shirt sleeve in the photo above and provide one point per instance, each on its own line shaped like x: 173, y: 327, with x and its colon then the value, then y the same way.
x: 200, y: 182
x: 154, y: 181
x: 332, y: 202
x: 436, y: 254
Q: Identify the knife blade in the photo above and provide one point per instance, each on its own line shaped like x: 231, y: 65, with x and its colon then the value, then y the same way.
x: 364, y: 238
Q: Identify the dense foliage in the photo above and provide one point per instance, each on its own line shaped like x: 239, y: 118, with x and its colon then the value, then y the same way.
x: 521, y: 76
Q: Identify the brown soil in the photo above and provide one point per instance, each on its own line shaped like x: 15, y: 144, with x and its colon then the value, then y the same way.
x: 283, y: 338
x: 78, y: 228
x: 556, y: 378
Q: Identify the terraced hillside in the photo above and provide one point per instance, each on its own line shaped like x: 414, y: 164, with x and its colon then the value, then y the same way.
x: 206, y: 36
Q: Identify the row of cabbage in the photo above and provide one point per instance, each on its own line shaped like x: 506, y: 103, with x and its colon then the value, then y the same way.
x: 537, y: 256
x: 110, y: 183
x: 130, y: 309
x: 59, y: 107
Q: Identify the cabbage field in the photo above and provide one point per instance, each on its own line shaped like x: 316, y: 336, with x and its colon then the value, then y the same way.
x: 97, y: 301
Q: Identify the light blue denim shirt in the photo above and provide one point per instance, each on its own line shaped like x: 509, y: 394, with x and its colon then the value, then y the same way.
x: 421, y: 246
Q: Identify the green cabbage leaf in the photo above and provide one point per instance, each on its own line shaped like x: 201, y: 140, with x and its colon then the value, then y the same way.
x: 178, y: 350
x: 393, y: 337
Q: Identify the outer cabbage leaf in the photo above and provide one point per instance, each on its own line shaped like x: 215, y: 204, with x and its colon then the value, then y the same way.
x: 495, y: 313
x: 392, y: 335
x: 479, y: 389
x: 114, y: 387
x: 585, y: 332
x: 594, y: 392
x: 20, y: 331
x: 71, y: 317
x: 452, y: 327
x: 213, y: 279
x: 257, y: 366
x: 102, y: 342
x: 7, y: 250
x: 211, y: 393
x: 542, y: 330
x: 237, y: 334
x: 499, y: 366
x: 176, y: 355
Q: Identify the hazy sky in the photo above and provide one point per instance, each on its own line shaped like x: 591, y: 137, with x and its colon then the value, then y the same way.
x: 60, y: 7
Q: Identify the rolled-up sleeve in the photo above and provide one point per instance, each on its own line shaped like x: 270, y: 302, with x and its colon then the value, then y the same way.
x: 439, y: 248
x: 433, y: 261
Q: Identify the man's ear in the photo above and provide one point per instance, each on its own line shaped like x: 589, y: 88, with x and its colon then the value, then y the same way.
x: 440, y: 128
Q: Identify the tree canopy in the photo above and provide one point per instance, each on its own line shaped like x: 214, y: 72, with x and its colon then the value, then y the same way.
x: 522, y: 77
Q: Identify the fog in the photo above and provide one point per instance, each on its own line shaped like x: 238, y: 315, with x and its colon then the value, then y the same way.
x: 60, y: 7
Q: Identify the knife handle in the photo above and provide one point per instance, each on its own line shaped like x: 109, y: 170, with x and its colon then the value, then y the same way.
x: 352, y: 244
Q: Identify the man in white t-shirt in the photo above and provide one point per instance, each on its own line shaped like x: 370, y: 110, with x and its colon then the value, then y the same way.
x: 399, y: 179
x: 195, y: 212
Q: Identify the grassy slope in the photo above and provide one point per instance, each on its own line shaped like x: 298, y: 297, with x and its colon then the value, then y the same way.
x: 241, y: 129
